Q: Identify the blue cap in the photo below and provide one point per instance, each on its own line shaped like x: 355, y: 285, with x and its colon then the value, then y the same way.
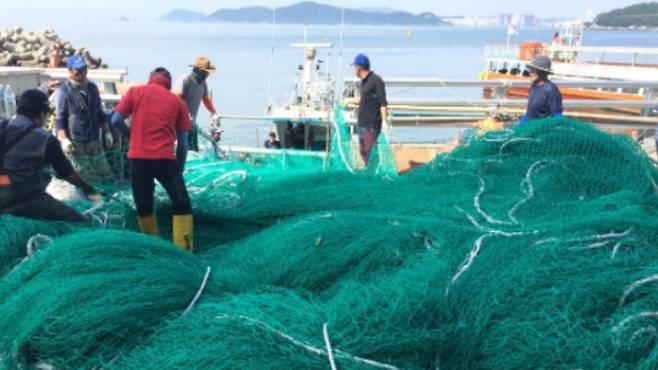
x: 76, y: 62
x: 362, y: 60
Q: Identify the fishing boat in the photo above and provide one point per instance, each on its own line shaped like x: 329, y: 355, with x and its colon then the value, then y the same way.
x: 574, y: 61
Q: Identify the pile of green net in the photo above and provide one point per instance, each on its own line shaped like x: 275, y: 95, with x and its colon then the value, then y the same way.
x: 527, y: 248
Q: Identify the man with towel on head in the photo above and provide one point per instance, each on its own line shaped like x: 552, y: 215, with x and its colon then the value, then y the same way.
x: 193, y: 89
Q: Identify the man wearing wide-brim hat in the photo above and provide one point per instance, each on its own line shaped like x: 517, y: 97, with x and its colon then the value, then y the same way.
x: 193, y: 89
x: 545, y: 99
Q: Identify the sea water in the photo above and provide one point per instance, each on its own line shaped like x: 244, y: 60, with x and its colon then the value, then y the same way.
x: 249, y: 63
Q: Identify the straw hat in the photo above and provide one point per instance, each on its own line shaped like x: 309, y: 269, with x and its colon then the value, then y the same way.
x: 204, y: 64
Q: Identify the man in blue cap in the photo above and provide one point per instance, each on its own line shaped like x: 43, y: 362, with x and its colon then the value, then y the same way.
x: 373, y: 108
x: 80, y: 119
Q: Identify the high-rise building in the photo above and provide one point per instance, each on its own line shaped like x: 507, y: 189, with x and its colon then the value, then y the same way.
x: 506, y: 19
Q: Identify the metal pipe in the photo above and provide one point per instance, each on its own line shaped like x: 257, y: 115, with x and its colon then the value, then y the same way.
x: 436, y: 82
x: 515, y: 102
x: 249, y: 150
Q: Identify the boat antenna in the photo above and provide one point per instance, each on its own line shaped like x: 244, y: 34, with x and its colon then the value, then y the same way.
x: 339, y: 66
x: 269, y: 86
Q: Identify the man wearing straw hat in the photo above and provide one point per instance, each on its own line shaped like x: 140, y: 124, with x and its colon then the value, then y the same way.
x: 545, y: 99
x: 193, y: 89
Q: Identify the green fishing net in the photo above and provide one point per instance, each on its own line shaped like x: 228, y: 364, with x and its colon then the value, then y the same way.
x: 526, y: 248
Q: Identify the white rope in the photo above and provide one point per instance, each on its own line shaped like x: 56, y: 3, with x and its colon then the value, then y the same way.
x: 306, y: 346
x: 477, y: 225
x: 198, y: 293
x: 597, y: 245
x: 598, y: 237
x: 476, y: 203
x: 516, y: 140
x: 647, y: 329
x: 629, y: 289
x: 614, y: 251
x: 233, y: 178
x: 327, y: 342
x: 478, y: 245
x: 546, y: 241
x: 610, y: 235
x: 642, y: 315
x: 33, y: 247
x: 469, y: 261
x: 530, y: 193
x: 94, y: 208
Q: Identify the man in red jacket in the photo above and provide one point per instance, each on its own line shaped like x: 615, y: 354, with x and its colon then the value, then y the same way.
x: 160, y: 120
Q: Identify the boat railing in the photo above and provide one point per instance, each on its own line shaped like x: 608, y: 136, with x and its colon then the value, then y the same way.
x: 441, y: 83
x: 21, y: 79
x: 635, y: 53
x: 501, y: 51
x: 464, y: 112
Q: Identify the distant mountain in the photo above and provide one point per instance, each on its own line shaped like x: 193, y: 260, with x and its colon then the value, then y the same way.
x: 310, y: 13
x: 637, y: 16
x: 382, y: 9
x: 182, y: 15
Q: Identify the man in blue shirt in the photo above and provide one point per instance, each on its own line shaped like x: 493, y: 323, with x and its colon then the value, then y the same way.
x: 79, y: 120
x: 545, y: 99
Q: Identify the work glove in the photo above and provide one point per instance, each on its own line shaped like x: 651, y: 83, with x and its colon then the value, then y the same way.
x: 95, y: 198
x: 67, y: 146
x: 108, y: 140
x: 214, y: 120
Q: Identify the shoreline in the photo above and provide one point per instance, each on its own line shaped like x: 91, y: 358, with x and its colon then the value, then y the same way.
x: 631, y: 28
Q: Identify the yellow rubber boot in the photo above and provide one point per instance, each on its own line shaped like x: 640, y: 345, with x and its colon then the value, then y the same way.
x: 149, y: 225
x: 184, y: 231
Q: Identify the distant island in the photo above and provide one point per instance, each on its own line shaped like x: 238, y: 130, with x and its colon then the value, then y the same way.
x: 182, y: 15
x: 644, y: 15
x: 308, y: 13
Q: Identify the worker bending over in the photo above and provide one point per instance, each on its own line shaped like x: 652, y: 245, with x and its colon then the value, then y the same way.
x: 159, y: 119
x: 373, y: 108
x: 545, y: 99
x: 79, y: 121
x: 194, y: 90
x: 26, y: 152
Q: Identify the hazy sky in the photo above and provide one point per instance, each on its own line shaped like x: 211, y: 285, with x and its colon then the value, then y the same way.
x: 143, y: 9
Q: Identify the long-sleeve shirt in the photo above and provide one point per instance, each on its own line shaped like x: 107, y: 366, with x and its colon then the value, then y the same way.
x: 545, y: 100
x: 79, y: 111
x: 373, y: 98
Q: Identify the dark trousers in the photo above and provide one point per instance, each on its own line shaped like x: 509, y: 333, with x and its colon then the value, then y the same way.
x: 166, y: 172
x: 36, y: 205
x: 367, y: 138
x: 193, y: 137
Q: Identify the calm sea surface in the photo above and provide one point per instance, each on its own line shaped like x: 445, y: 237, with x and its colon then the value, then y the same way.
x: 243, y: 53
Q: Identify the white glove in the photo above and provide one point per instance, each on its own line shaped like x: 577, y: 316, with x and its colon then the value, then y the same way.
x: 67, y: 145
x: 108, y: 140
x: 95, y: 198
x: 214, y: 120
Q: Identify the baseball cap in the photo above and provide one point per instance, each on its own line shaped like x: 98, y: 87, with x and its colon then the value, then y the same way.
x: 362, y: 60
x: 76, y: 62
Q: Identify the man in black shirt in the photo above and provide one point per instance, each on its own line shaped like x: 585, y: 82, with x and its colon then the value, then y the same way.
x: 26, y: 150
x: 373, y: 108
x: 272, y: 142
